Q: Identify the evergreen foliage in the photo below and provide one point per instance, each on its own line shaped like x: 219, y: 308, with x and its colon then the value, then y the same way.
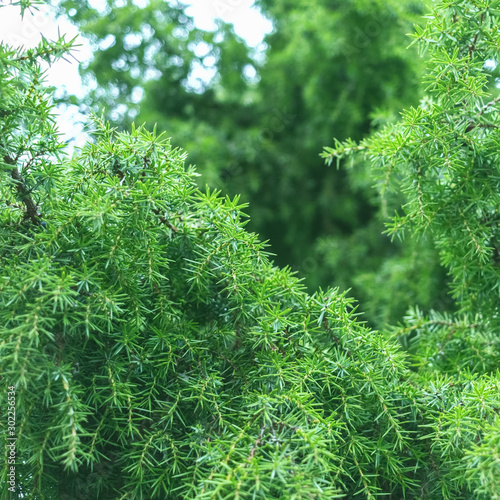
x: 444, y: 155
x: 157, y: 353
x: 328, y: 68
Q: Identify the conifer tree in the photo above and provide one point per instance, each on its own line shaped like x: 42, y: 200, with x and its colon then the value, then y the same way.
x: 329, y: 68
x: 150, y: 349
x: 444, y: 157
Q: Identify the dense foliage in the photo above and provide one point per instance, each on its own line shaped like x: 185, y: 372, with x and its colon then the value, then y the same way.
x: 156, y: 352
x: 444, y: 156
x: 255, y: 125
x: 154, y: 349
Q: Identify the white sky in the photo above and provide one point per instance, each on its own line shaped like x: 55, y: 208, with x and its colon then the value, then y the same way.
x: 247, y: 20
x: 248, y: 23
x: 26, y: 32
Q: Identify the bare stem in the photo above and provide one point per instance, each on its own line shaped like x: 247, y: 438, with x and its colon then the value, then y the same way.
x: 24, y: 193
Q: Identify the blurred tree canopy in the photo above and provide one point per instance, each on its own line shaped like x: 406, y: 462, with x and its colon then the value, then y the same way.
x: 254, y: 119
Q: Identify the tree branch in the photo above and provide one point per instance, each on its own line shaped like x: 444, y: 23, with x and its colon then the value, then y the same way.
x: 24, y: 193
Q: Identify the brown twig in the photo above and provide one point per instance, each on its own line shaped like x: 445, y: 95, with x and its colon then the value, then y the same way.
x: 472, y: 48
x: 24, y: 193
x: 165, y: 221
